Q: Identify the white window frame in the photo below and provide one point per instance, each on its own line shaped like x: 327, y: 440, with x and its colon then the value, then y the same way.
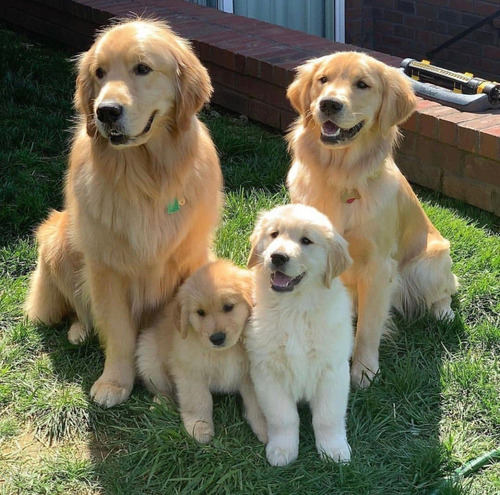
x: 334, y: 17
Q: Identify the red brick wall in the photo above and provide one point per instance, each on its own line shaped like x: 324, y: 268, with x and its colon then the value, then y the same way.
x: 411, y: 28
x: 457, y: 153
x: 359, y: 22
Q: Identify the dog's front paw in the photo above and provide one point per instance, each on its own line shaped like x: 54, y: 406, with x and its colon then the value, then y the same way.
x: 442, y: 310
x: 280, y: 454
x: 363, y: 372
x: 200, y: 430
x: 108, y: 393
x: 78, y: 333
x: 335, y: 449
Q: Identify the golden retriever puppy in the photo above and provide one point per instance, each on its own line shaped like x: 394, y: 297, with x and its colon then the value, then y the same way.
x: 350, y: 105
x: 142, y: 195
x: 196, y: 348
x: 300, y: 336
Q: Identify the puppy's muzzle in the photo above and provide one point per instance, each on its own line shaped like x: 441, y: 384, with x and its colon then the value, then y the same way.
x: 108, y: 113
x: 279, y: 259
x: 218, y: 339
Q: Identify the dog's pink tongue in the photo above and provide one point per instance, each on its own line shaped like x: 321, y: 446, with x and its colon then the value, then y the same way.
x: 281, y: 280
x: 329, y: 128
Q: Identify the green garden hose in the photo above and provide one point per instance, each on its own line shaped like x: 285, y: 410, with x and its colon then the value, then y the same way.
x: 468, y: 468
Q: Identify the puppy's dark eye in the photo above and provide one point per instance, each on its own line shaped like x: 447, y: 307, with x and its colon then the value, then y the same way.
x: 227, y: 307
x: 323, y: 80
x: 142, y: 69
x: 274, y: 234
x: 305, y: 241
x: 99, y: 73
x: 362, y: 85
x: 201, y: 312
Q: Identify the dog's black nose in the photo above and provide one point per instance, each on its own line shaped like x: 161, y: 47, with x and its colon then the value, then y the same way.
x: 330, y: 105
x: 218, y: 338
x: 279, y: 259
x: 109, y: 112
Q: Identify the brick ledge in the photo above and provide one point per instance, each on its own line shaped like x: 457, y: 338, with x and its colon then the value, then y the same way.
x: 251, y: 64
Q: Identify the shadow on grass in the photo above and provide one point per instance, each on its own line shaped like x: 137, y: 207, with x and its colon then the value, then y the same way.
x: 393, y: 428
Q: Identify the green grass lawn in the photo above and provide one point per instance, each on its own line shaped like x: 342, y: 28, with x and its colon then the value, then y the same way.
x: 435, y: 406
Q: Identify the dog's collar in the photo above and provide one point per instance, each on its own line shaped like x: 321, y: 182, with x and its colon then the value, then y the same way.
x: 350, y: 195
x: 175, y: 205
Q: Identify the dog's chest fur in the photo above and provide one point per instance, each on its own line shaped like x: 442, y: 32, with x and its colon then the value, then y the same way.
x: 222, y: 370
x: 298, y: 339
x: 300, y: 357
x: 126, y: 196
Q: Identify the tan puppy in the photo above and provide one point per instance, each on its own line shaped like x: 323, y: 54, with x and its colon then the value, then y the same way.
x: 142, y: 196
x: 300, y: 337
x: 197, y: 345
x: 349, y: 106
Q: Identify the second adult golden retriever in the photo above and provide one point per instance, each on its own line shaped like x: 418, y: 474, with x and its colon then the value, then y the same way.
x: 350, y: 105
x: 142, y: 195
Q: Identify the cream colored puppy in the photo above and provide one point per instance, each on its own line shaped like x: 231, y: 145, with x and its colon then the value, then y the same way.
x: 300, y: 337
x: 195, y: 348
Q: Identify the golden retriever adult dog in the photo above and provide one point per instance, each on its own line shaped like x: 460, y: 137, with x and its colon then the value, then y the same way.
x: 142, y: 195
x: 197, y: 345
x: 300, y: 337
x: 350, y: 105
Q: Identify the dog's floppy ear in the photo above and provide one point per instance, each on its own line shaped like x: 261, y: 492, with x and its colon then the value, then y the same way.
x: 194, y: 88
x: 180, y: 316
x: 246, y: 287
x: 253, y: 257
x: 299, y: 92
x: 338, y: 259
x: 84, y: 94
x: 255, y: 251
x: 398, y: 99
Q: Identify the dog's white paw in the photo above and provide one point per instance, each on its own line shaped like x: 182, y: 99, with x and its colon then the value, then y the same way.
x: 336, y: 449
x: 280, y: 454
x: 77, y: 333
x: 200, y: 430
x: 108, y: 393
x: 442, y: 311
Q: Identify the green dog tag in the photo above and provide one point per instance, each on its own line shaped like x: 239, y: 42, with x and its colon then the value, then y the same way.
x: 173, y: 206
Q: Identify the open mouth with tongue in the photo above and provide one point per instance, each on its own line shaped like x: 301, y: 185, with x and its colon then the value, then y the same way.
x: 283, y: 283
x: 332, y: 133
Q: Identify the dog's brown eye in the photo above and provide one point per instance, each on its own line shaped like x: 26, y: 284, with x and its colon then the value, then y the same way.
x: 323, y: 80
x: 142, y: 69
x: 227, y: 307
x: 201, y: 312
x: 305, y: 241
x: 274, y: 234
x: 99, y: 73
x: 362, y: 85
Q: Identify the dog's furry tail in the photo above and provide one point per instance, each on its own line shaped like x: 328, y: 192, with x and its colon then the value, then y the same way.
x: 45, y: 302
x: 425, y: 286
